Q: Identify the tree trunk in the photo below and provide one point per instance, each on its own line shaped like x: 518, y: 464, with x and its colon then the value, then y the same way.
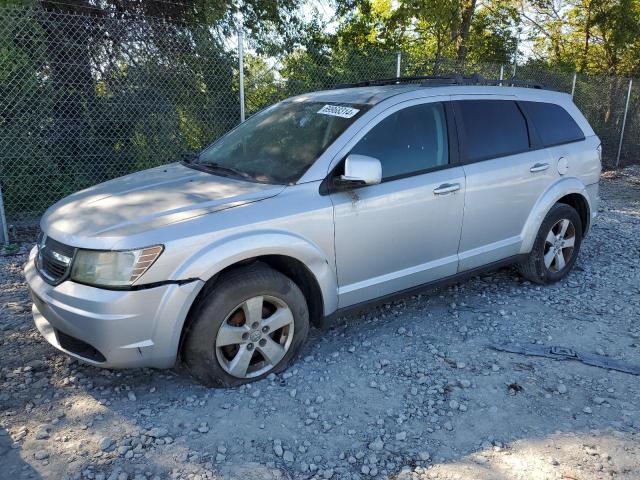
x: 465, y: 28
x: 587, y: 38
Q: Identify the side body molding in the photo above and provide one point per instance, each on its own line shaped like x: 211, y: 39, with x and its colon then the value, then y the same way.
x: 209, y: 261
x: 563, y: 187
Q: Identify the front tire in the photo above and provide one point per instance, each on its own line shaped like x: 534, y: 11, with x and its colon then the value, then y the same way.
x: 253, y: 322
x: 556, y: 246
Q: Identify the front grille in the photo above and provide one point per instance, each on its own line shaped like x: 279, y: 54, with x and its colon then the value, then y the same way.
x: 54, y: 260
x: 83, y: 349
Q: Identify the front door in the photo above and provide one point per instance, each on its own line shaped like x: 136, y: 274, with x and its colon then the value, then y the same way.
x: 406, y: 230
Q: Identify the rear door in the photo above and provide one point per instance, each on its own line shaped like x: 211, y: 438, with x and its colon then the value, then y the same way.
x: 506, y: 172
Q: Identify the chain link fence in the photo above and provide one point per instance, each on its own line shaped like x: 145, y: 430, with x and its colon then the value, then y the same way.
x: 86, y: 98
x: 89, y: 97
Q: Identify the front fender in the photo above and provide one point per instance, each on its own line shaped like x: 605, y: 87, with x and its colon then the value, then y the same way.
x: 555, y: 192
x: 228, y: 251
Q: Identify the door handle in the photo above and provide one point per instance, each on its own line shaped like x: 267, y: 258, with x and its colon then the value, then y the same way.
x: 447, y: 188
x: 539, y: 167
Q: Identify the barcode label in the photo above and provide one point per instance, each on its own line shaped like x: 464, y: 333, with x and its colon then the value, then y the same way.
x: 338, y: 111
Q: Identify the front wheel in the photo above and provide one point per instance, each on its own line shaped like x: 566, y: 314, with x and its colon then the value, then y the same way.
x: 252, y: 323
x: 556, y: 247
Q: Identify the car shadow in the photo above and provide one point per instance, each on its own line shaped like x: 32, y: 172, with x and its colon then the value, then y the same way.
x: 12, y: 465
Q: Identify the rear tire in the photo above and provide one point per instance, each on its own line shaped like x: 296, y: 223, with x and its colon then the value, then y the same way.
x: 253, y: 322
x: 555, y: 249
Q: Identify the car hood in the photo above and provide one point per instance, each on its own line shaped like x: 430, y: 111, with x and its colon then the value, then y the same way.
x: 147, y: 200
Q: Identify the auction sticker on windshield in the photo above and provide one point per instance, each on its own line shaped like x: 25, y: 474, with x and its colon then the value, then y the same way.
x: 338, y: 111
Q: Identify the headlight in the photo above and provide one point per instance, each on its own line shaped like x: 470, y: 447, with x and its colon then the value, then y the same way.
x: 113, y: 268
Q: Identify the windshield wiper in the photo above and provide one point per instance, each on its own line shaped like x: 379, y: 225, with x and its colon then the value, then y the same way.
x: 216, y: 167
x: 189, y: 157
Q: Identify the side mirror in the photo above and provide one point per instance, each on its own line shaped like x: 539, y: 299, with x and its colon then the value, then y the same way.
x: 359, y: 170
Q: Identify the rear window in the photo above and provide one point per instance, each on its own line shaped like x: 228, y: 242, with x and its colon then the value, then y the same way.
x: 553, y: 123
x: 490, y: 128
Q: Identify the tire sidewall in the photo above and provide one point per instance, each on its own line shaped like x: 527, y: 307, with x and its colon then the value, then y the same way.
x: 199, y: 354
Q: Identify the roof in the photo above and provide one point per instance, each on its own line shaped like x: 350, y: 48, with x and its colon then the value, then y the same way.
x: 371, y: 92
x: 361, y: 95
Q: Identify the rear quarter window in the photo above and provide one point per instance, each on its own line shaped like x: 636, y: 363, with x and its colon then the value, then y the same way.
x: 553, y: 123
x: 490, y: 129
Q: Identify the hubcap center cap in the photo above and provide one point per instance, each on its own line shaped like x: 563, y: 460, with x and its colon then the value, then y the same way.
x: 255, y: 336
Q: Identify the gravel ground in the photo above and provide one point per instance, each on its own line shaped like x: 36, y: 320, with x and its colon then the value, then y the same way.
x: 407, y: 390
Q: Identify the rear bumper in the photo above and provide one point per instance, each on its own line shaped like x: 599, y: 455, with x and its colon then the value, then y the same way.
x: 593, y: 198
x: 111, y: 328
x: 593, y: 191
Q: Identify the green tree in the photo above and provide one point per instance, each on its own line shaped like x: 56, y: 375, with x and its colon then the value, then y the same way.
x: 589, y: 36
x: 431, y: 31
x: 93, y: 90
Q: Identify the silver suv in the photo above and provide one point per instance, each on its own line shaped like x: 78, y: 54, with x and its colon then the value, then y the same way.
x: 319, y: 204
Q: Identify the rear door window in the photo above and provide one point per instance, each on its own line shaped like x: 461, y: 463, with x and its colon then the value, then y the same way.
x: 490, y: 129
x: 408, y: 141
x: 553, y: 123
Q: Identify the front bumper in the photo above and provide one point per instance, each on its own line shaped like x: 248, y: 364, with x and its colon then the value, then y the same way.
x: 112, y: 328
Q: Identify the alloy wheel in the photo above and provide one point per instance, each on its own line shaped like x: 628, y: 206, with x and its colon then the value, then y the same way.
x: 559, y: 245
x: 254, y: 337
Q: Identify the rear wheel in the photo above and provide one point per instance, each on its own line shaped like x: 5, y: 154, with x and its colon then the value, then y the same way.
x: 556, y: 247
x: 252, y: 323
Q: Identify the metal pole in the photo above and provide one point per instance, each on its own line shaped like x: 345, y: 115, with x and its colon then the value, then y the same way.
x: 4, y: 233
x: 501, y: 74
x: 398, y: 60
x: 241, y: 70
x: 624, y: 122
x: 515, y: 56
x: 573, y: 85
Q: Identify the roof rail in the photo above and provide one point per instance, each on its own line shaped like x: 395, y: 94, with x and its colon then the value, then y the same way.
x: 429, y: 81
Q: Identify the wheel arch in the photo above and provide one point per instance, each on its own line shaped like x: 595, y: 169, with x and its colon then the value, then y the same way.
x: 570, y: 191
x: 288, y: 266
x: 291, y: 255
x: 581, y: 205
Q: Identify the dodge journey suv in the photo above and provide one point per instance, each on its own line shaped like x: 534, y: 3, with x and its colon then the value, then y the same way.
x: 316, y: 205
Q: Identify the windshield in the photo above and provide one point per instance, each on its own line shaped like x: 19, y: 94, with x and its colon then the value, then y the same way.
x: 279, y: 144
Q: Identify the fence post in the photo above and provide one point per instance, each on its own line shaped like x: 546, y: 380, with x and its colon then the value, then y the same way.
x: 624, y: 122
x: 4, y: 232
x: 398, y: 60
x: 573, y: 84
x: 241, y: 70
x: 515, y: 56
